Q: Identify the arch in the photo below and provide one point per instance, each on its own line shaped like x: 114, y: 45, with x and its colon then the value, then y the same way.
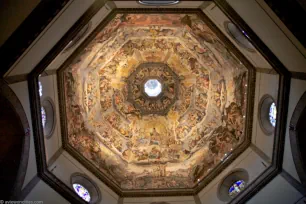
x: 297, y: 132
x: 14, y: 143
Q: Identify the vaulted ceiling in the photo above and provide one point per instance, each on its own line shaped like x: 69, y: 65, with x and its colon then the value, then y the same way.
x: 173, y: 139
x: 157, y: 101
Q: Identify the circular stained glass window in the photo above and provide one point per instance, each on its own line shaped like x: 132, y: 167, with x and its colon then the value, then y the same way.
x: 47, y: 117
x: 43, y: 116
x: 267, y: 114
x: 236, y: 188
x: 158, y: 3
x: 40, y: 88
x: 153, y: 87
x: 78, y: 36
x: 81, y: 191
x: 272, y: 114
x: 239, y: 36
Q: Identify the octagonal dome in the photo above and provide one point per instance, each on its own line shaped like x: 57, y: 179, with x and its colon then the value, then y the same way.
x: 154, y: 101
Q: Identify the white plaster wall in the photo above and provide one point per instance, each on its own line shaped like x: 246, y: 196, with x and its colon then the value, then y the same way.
x: 298, y: 87
x: 248, y: 160
x: 49, y: 84
x: 67, y: 165
x: 282, y: 26
x: 43, y: 192
x: 95, y: 21
x: 170, y: 200
x: 49, y: 37
x: 265, y: 84
x: 277, y: 191
x: 218, y: 17
x: 21, y: 90
x: 270, y: 34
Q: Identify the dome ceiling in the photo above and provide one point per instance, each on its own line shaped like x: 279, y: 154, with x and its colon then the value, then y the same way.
x: 155, y: 101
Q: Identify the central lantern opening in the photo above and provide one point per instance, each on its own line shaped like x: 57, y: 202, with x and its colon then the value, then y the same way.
x: 152, y: 87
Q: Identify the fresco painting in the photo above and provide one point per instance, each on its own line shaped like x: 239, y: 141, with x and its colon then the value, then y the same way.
x: 175, y: 139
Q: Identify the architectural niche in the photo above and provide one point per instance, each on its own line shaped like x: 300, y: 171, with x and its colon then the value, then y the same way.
x: 14, y: 143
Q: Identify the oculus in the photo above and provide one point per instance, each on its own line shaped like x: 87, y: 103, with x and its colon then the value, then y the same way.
x: 85, y: 188
x: 43, y: 116
x: 152, y: 87
x: 233, y: 184
x: 78, y: 36
x: 48, y: 117
x: 239, y: 36
x: 272, y: 114
x: 81, y: 191
x: 267, y: 114
x: 157, y: 3
x: 236, y: 188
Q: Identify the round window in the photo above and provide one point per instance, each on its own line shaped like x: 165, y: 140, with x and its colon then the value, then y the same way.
x: 85, y: 188
x: 48, y: 117
x: 236, y: 188
x: 81, y: 191
x: 78, y: 36
x: 239, y: 36
x: 233, y: 184
x: 267, y: 113
x: 43, y: 117
x: 272, y: 114
x: 158, y: 3
x: 152, y: 87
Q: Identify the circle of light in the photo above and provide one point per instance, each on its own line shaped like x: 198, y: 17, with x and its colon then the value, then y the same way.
x: 153, y: 87
x: 81, y: 191
x: 272, y: 114
x: 236, y: 188
x: 43, y: 116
